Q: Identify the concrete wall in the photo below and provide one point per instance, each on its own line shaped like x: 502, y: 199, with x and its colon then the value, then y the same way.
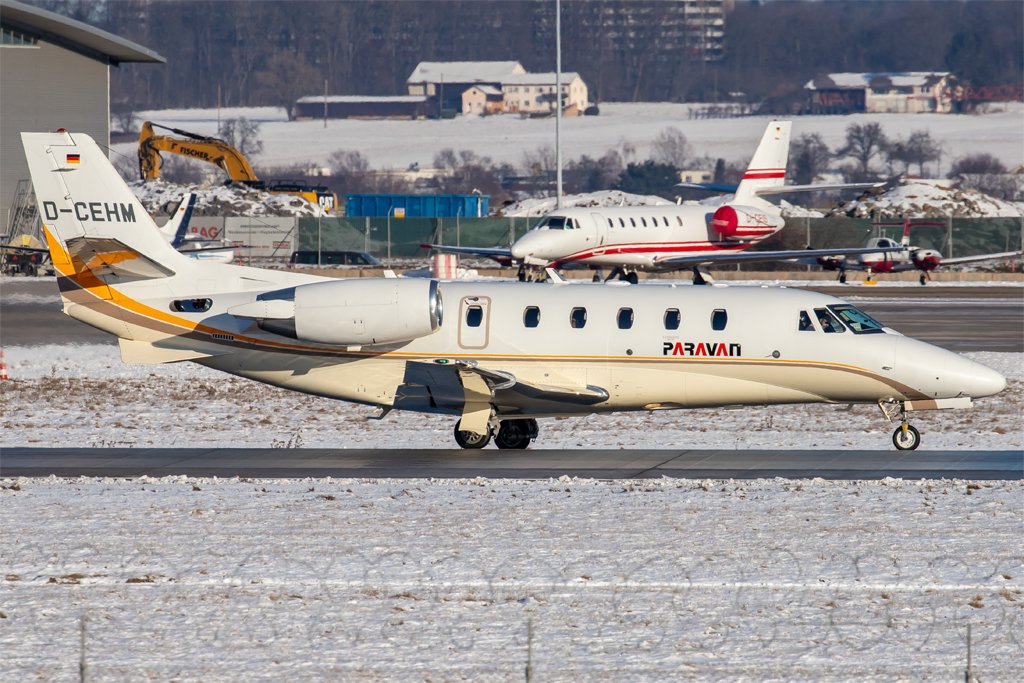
x: 45, y: 87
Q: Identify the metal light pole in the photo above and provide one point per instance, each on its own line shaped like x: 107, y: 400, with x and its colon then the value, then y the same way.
x: 558, y: 104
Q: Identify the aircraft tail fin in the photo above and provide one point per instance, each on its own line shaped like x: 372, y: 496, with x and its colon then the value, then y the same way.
x: 177, y: 225
x: 767, y: 168
x: 93, y: 222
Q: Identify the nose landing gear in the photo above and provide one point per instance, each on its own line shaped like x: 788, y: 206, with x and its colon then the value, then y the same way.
x: 906, y: 437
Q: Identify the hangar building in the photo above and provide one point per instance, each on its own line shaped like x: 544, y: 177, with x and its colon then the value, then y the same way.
x: 54, y: 73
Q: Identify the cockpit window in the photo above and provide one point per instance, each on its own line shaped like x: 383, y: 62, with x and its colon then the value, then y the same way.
x: 805, y: 322
x: 828, y: 321
x: 555, y: 223
x: 857, y: 320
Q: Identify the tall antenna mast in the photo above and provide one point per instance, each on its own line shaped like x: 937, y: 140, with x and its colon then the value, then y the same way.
x: 558, y: 104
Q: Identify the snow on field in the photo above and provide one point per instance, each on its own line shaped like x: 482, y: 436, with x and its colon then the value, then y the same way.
x: 62, y: 395
x: 928, y: 198
x: 359, y: 580
x: 621, y: 126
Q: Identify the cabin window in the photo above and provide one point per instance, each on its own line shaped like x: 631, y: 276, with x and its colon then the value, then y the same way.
x: 531, y: 316
x: 828, y: 321
x: 719, y: 319
x: 191, y: 305
x: 625, y: 318
x: 679, y: 220
x: 474, y: 316
x: 578, y: 318
x: 643, y: 221
x: 632, y: 221
x: 805, y: 322
x: 622, y: 223
x: 665, y: 220
x: 610, y: 223
x: 857, y: 320
x: 672, y: 319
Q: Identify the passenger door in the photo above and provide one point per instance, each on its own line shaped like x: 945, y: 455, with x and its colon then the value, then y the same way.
x: 474, y: 322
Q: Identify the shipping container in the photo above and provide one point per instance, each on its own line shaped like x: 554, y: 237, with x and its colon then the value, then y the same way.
x: 417, y: 205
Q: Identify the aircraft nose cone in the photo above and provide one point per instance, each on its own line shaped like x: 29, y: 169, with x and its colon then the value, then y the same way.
x: 939, y: 373
x: 985, y: 381
x: 519, y: 250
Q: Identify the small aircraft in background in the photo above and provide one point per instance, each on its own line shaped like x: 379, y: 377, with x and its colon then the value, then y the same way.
x: 886, y: 255
x: 667, y: 237
x: 176, y: 232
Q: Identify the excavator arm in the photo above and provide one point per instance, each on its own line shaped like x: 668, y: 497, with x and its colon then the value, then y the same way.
x: 211, y: 150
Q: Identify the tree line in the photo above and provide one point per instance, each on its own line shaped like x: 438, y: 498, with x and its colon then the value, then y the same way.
x: 866, y: 154
x: 241, y: 53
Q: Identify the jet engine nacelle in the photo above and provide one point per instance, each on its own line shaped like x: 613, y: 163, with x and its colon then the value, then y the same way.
x: 832, y: 262
x: 745, y: 223
x: 926, y: 259
x: 350, y: 312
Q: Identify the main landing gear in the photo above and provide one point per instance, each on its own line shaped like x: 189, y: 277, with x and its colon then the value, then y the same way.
x: 629, y: 276
x: 513, y: 434
x: 906, y: 437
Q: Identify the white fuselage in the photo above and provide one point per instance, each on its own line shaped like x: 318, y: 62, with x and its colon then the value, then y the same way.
x: 639, y: 237
x: 760, y: 357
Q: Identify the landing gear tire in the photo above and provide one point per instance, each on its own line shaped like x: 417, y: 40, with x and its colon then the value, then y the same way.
x: 516, y: 434
x: 470, y: 440
x: 842, y: 278
x: 907, y: 440
x: 923, y: 279
x: 597, y: 277
x: 631, y: 278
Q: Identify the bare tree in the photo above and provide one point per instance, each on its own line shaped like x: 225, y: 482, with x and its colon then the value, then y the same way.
x: 122, y: 111
x: 671, y: 147
x: 540, y: 161
x: 919, y: 148
x: 864, y: 143
x: 976, y: 164
x: 344, y: 162
x: 243, y: 135
x: 286, y: 78
x: 809, y: 157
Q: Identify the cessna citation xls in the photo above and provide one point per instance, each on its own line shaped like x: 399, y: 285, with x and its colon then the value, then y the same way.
x: 497, y: 355
x: 628, y: 239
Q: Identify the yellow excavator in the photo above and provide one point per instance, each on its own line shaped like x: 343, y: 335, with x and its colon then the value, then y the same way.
x: 224, y: 156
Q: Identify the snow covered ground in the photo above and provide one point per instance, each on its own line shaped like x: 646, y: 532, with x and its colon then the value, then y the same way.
x: 365, y: 580
x: 64, y: 395
x: 621, y: 126
x: 357, y: 580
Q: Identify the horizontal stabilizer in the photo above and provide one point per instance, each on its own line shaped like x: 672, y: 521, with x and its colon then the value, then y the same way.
x: 782, y: 255
x: 148, y: 353
x: 499, y: 254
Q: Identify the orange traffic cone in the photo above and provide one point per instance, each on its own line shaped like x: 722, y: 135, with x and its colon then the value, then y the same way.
x: 3, y: 366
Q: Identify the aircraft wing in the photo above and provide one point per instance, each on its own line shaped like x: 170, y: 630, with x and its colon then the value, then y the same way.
x: 502, y: 256
x: 786, y: 189
x: 783, y: 189
x: 982, y: 257
x: 451, y: 386
x: 781, y: 255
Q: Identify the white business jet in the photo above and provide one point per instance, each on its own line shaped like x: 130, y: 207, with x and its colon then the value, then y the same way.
x: 628, y: 239
x: 496, y: 355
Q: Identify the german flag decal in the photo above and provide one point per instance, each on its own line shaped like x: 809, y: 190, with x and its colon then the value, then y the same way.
x: 74, y: 159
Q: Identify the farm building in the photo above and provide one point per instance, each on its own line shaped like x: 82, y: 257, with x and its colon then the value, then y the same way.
x: 535, y: 93
x: 365, y: 107
x: 447, y: 81
x: 910, y: 92
x: 483, y: 99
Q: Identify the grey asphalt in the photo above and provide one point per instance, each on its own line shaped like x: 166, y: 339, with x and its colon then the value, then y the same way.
x: 961, y: 319
x: 493, y: 464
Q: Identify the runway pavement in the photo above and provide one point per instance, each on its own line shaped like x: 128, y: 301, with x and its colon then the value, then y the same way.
x: 490, y: 463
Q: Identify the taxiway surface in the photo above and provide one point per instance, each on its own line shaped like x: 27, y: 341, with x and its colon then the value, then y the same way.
x: 531, y: 464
